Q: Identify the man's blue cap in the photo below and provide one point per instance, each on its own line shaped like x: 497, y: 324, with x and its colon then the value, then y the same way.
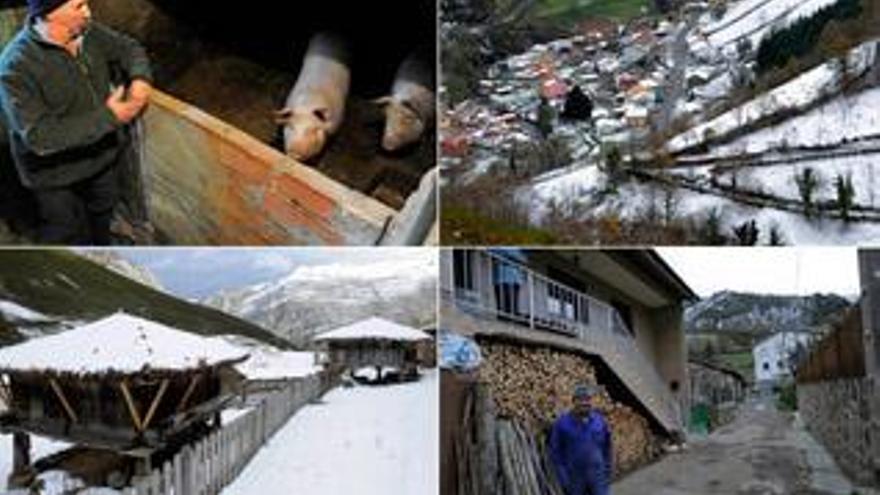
x: 585, y: 390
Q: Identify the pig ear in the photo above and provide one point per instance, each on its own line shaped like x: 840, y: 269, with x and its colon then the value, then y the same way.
x: 282, y: 116
x: 322, y: 113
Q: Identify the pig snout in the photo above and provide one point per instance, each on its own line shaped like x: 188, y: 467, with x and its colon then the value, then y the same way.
x: 403, y: 127
x: 304, y: 137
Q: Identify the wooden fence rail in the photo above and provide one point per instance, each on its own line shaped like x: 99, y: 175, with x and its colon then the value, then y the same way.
x: 206, y: 467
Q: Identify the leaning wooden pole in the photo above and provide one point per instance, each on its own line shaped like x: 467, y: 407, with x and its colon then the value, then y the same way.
x: 60, y: 394
x: 132, y: 409
x: 155, y: 404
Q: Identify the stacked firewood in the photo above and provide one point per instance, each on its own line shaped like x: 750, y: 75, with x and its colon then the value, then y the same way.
x: 534, y: 386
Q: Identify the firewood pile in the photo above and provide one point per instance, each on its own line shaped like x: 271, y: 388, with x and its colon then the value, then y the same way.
x: 534, y: 386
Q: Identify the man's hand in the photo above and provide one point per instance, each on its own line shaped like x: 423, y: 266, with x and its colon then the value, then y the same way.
x: 140, y: 91
x: 125, y: 110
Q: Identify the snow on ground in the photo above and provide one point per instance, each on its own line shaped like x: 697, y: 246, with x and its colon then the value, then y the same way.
x: 120, y: 342
x: 634, y: 199
x: 377, y: 440
x: 374, y: 328
x: 794, y: 95
x: 40, y: 447
x: 779, y: 179
x: 578, y: 183
x: 229, y: 415
x: 844, y: 118
x: 13, y: 312
x: 755, y: 19
x: 269, y: 364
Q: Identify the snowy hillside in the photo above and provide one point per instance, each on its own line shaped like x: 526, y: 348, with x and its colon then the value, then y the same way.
x: 313, y: 299
x: 754, y: 19
x: 113, y: 261
x: 44, y: 292
x: 793, y: 96
x: 732, y: 312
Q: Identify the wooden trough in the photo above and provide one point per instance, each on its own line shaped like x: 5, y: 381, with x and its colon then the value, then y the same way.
x: 210, y: 183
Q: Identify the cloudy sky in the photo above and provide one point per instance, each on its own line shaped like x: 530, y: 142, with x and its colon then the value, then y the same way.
x: 796, y: 271
x: 199, y: 272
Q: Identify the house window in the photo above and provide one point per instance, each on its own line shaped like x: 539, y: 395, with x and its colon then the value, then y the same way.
x: 565, y: 300
x: 766, y: 366
x: 463, y: 269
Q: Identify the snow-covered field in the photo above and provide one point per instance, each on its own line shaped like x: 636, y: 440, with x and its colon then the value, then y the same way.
x: 794, y: 95
x: 844, y: 118
x: 14, y: 312
x: 756, y: 18
x: 634, y: 199
x: 378, y: 440
x: 779, y: 179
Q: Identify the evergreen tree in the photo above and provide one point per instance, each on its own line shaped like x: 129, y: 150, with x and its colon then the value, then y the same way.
x: 807, y: 183
x: 747, y: 233
x: 776, y: 238
x: 845, y: 195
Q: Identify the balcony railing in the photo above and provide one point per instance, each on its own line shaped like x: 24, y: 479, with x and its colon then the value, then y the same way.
x: 496, y: 287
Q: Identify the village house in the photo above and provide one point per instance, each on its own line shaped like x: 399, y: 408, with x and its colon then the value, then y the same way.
x: 622, y: 306
x: 774, y: 358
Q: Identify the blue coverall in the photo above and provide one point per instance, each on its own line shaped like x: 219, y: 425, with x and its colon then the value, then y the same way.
x: 581, y: 452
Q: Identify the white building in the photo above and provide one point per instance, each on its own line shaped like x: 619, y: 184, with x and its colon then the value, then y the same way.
x: 772, y: 356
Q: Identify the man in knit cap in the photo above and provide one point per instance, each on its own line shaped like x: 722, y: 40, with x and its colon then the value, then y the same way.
x: 68, y: 89
x: 580, y: 446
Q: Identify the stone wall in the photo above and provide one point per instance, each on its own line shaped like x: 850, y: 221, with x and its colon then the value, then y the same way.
x: 844, y: 416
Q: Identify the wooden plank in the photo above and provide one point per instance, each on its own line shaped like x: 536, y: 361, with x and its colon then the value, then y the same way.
x: 155, y: 483
x: 189, y: 390
x: 178, y: 474
x: 162, y: 388
x: 132, y: 409
x: 5, y: 394
x: 168, y: 478
x: 60, y: 394
x: 211, y: 181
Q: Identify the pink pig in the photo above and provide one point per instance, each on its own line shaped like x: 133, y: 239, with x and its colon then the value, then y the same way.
x: 316, y: 105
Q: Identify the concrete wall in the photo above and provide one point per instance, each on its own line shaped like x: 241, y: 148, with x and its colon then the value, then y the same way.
x: 844, y: 416
x: 670, y: 351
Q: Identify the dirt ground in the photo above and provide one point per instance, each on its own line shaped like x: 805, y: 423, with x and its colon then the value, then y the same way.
x: 763, y: 452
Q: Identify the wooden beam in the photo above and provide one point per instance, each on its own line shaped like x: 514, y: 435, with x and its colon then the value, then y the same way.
x: 189, y: 390
x: 5, y: 394
x: 155, y: 404
x: 60, y: 394
x: 132, y: 409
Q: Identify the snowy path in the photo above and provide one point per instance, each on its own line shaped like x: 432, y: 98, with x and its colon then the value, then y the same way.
x: 378, y: 440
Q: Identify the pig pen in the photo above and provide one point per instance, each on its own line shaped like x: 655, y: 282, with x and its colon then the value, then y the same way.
x: 215, y: 170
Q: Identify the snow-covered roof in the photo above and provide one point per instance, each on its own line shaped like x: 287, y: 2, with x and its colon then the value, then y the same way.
x: 376, y: 329
x: 119, y: 343
x: 273, y: 365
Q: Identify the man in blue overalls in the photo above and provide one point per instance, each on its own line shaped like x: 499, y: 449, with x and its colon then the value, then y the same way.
x: 580, y: 447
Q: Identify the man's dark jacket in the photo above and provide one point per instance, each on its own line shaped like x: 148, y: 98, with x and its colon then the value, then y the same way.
x: 61, y: 130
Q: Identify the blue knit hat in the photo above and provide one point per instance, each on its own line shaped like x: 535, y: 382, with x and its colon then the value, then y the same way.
x: 37, y: 8
x: 585, y: 390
